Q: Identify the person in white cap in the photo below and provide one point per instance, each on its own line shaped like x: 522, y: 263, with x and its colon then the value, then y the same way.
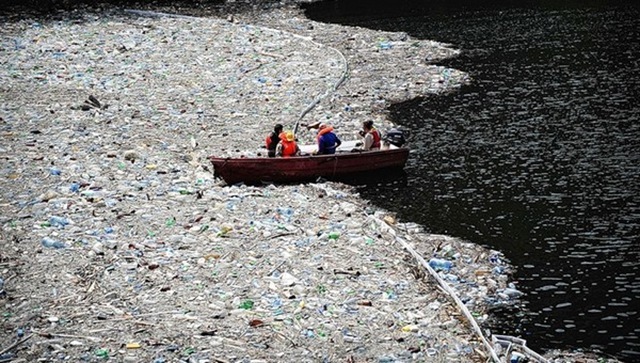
x: 328, y: 141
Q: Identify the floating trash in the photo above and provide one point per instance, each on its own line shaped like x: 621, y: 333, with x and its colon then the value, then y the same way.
x: 130, y: 238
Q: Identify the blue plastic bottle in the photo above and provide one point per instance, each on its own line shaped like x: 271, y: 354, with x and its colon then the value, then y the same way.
x: 440, y: 264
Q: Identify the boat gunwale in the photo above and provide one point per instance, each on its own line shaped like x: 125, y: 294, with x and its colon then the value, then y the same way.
x: 345, y: 155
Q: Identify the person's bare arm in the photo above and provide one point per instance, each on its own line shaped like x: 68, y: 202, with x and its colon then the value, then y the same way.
x: 368, y: 141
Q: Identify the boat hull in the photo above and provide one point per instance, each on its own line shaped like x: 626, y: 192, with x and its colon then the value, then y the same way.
x: 308, y: 168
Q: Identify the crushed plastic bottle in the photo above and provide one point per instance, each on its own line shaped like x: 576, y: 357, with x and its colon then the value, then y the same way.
x: 386, y: 359
x: 410, y: 328
x: 384, y: 45
x: 512, y: 293
x: 440, y: 264
x: 52, y: 243
x: 59, y: 222
x: 102, y: 353
x: 6, y: 357
x: 451, y: 278
x: 463, y: 349
x: 246, y: 305
x: 285, y: 214
x: 517, y: 358
x: 334, y: 235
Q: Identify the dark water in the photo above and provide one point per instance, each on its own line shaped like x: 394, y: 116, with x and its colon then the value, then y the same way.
x: 539, y: 157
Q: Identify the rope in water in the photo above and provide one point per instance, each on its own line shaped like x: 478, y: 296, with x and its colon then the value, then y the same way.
x: 502, y: 339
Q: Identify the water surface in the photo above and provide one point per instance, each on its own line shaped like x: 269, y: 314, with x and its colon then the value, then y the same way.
x: 538, y: 157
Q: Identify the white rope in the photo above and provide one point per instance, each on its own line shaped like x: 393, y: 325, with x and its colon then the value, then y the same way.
x: 389, y: 229
x: 343, y: 77
x: 500, y: 339
x: 509, y: 341
x: 455, y: 298
x: 156, y: 14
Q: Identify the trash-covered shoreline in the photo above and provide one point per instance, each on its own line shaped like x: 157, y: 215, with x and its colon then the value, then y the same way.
x: 118, y: 244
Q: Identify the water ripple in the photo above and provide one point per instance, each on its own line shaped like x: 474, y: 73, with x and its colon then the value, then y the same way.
x: 538, y: 157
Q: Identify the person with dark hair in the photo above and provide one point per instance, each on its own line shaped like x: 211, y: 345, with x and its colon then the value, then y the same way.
x: 371, y: 136
x: 273, y: 139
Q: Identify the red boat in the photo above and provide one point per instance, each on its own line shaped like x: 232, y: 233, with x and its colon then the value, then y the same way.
x: 309, y: 167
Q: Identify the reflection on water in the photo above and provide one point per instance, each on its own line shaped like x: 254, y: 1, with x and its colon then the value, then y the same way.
x: 390, y: 179
x: 538, y: 158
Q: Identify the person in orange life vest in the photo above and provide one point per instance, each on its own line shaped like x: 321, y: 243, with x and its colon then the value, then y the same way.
x: 328, y: 141
x: 273, y: 139
x: 371, y: 136
x: 287, y: 146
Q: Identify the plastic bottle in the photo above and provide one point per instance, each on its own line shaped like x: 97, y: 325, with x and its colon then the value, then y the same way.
x: 517, y: 358
x: 385, y: 359
x: 451, y: 278
x: 102, y: 353
x: 440, y: 264
x: 246, y: 305
x: 59, y: 222
x: 512, y: 292
x: 285, y: 214
x: 52, y: 243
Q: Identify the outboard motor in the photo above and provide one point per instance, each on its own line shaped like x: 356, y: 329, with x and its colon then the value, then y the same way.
x: 395, y: 137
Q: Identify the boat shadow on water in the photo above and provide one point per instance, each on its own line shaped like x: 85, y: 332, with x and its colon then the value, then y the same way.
x: 396, y: 177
